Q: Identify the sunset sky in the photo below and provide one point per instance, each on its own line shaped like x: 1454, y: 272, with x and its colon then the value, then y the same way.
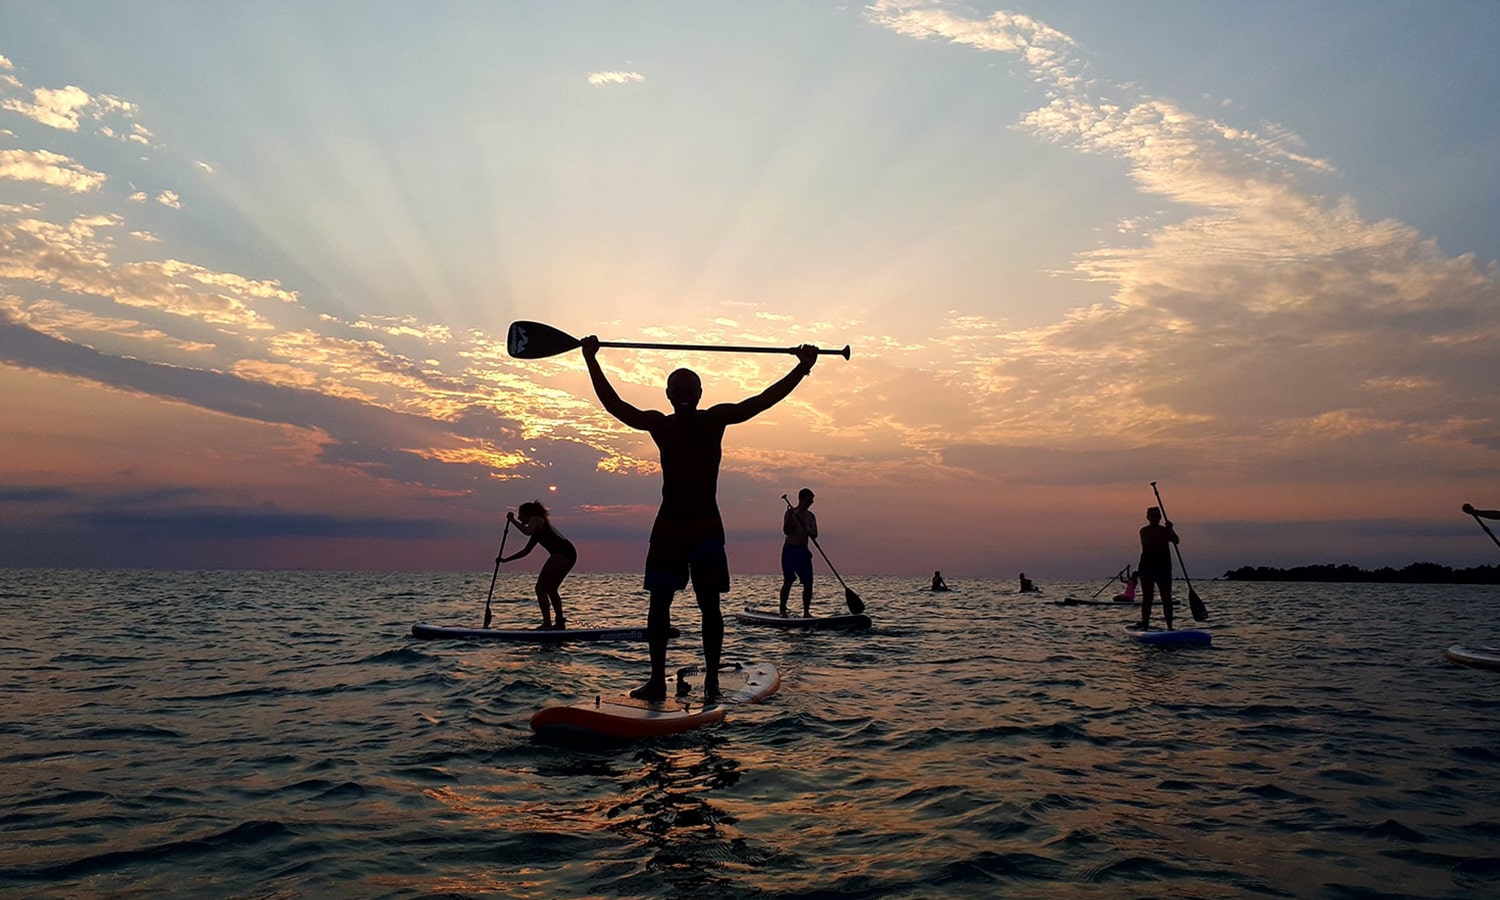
x: 257, y: 263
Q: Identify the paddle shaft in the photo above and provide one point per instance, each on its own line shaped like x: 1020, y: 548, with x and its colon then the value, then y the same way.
x: 1487, y: 530
x: 493, y: 578
x: 716, y: 348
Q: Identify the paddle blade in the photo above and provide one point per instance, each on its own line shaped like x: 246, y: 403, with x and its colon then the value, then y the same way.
x: 1200, y: 612
x: 487, y: 614
x: 855, y: 604
x: 533, y: 340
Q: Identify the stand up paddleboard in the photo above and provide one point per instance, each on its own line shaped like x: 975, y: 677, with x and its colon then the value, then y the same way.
x: 1480, y: 656
x: 1164, y: 636
x: 625, y: 718
x: 1076, y: 601
x: 529, y: 635
x: 777, y: 620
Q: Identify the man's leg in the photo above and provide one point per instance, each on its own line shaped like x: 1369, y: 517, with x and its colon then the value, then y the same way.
x: 1147, y: 589
x: 786, y: 589
x: 1166, y: 600
x: 807, y: 598
x: 658, y: 629
x: 713, y: 641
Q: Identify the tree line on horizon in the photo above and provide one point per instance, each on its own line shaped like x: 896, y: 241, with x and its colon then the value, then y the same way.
x: 1416, y: 573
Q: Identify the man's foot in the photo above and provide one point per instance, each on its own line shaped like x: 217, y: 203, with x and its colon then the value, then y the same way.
x: 652, y: 691
x: 561, y: 623
x: 710, y: 690
x: 1141, y: 626
x: 546, y: 624
x: 783, y: 612
x: 1169, y: 625
x: 807, y: 612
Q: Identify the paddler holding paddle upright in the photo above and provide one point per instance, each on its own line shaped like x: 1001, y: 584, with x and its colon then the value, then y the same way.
x: 798, y: 524
x: 687, y: 539
x: 1155, y: 568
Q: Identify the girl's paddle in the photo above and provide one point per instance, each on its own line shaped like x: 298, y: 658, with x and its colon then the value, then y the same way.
x: 533, y: 340
x: 499, y: 554
x: 855, y: 604
x: 1200, y: 612
x: 1119, y: 576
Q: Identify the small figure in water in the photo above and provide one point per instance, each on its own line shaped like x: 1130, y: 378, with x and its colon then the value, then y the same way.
x: 535, y: 523
x: 1155, y: 568
x: 938, y: 584
x: 687, y: 539
x: 1026, y: 585
x: 798, y: 525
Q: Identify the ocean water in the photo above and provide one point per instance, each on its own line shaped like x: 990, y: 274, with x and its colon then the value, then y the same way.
x: 275, y: 734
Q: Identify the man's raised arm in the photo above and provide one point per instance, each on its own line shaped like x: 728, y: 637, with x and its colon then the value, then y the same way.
x: 751, y: 407
x: 609, y: 398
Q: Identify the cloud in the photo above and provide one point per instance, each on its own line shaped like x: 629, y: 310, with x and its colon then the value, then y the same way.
x: 603, y: 78
x: 1258, y: 319
x: 214, y: 524
x: 28, y: 494
x: 59, y: 108
x: 169, y: 199
x: 75, y: 257
x: 66, y: 108
x: 49, y: 168
x: 359, y: 436
x: 62, y: 321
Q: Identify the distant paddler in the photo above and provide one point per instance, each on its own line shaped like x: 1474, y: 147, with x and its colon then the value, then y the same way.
x: 798, y: 524
x: 1155, y: 567
x: 535, y: 523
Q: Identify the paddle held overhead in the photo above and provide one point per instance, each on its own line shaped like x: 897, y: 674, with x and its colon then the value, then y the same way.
x: 533, y: 340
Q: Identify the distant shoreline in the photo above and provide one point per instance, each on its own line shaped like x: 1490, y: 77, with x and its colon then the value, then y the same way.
x: 1416, y: 573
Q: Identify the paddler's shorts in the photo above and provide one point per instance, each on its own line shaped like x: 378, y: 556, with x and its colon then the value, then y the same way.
x: 796, y: 560
x: 683, y: 552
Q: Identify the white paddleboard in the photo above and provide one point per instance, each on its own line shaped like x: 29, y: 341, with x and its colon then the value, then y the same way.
x: 1478, y: 655
x: 772, y: 619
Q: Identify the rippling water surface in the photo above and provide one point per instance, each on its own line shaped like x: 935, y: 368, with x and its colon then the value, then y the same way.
x: 281, y: 734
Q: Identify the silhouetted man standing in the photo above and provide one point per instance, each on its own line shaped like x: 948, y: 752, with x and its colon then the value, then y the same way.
x: 687, y: 540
